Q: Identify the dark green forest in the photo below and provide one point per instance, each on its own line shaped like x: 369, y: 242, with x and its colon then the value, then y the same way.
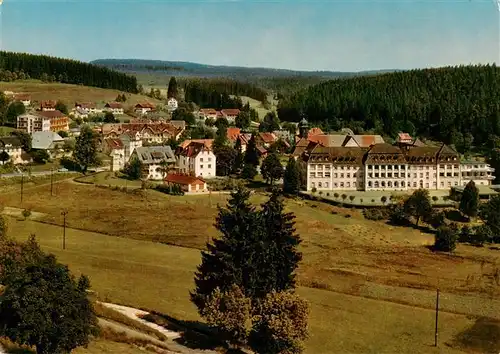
x: 447, y: 104
x: 14, y: 66
x: 221, y: 86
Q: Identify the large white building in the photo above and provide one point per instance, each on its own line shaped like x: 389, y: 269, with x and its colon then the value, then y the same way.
x: 198, y: 159
x: 156, y: 161
x: 31, y: 123
x: 390, y: 168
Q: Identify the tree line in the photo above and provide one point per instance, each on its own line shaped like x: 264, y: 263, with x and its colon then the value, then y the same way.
x: 199, y: 91
x: 51, y: 69
x: 444, y: 104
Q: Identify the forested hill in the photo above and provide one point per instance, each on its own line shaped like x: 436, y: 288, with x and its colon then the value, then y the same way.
x: 446, y: 104
x: 188, y: 69
x: 15, y: 66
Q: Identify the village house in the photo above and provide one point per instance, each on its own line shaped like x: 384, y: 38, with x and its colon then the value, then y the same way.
x: 230, y: 114
x: 88, y: 108
x: 114, y: 107
x: 172, y: 104
x: 156, y: 132
x: 49, y: 141
x: 47, y: 106
x: 130, y: 142
x: 197, y: 159
x: 156, y: 161
x: 24, y: 98
x: 143, y: 108
x: 265, y: 139
x: 58, y: 120
x: 188, y: 184
x: 206, y: 113
x: 115, y: 148
x: 33, y: 122
x: 13, y: 147
x: 78, y: 113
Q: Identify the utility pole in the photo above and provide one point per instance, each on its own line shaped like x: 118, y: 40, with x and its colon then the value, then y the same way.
x: 64, y: 213
x: 22, y: 186
x: 437, y: 316
x: 51, y: 181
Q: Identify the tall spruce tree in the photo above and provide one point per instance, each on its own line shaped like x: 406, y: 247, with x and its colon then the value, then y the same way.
x: 251, y: 153
x: 230, y: 259
x: 271, y: 168
x: 280, y: 253
x: 469, y: 202
x: 172, y: 91
x: 240, y: 158
x: 291, y: 179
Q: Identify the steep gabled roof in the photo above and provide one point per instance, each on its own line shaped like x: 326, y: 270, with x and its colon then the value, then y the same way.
x: 267, y: 138
x: 114, y: 105
x: 155, y: 154
x: 233, y: 133
x: 193, y: 149
x: 339, y: 155
x: 48, y: 104
x: 315, y: 131
x: 206, y: 142
x: 51, y: 114
x: 230, y: 112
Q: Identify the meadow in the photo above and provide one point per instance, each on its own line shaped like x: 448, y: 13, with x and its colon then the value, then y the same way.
x: 371, y: 286
x: 69, y: 94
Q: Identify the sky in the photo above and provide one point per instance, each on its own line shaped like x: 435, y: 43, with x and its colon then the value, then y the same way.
x: 330, y: 35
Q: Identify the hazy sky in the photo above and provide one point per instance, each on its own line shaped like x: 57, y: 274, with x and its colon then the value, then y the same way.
x: 335, y: 35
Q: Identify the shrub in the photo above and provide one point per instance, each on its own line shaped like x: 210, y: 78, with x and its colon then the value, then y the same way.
x: 383, y: 199
x: 351, y: 198
x: 314, y: 190
x: 336, y: 195
x: 26, y: 213
x: 397, y: 216
x: 320, y: 192
x: 376, y: 214
x: 434, y: 198
x: 347, y: 216
x: 327, y: 194
x: 373, y: 200
x: 446, y: 238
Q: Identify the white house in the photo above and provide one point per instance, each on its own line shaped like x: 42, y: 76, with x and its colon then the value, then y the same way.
x: 130, y: 142
x: 155, y: 160
x: 31, y: 123
x: 172, y: 104
x: 187, y: 183
x: 114, y: 107
x: 206, y: 113
x: 230, y: 114
x: 116, y: 149
x: 88, y: 108
x: 197, y: 159
x: 143, y: 108
x: 13, y: 147
x: 25, y: 99
x: 49, y: 141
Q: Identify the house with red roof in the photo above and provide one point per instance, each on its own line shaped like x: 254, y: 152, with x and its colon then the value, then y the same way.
x: 24, y: 98
x: 205, y: 113
x: 143, y: 108
x: 230, y: 114
x: 48, y: 105
x: 197, y: 159
x: 116, y: 149
x: 114, y: 107
x: 188, y: 184
x: 233, y: 134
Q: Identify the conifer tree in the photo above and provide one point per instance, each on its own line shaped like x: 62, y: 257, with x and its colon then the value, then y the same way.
x: 282, y: 241
x: 251, y: 153
x: 469, y: 202
x: 240, y: 158
x: 271, y: 168
x: 291, y: 179
x: 172, y: 91
x: 228, y: 259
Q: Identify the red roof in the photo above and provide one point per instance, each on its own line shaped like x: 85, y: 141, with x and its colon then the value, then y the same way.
x: 233, y: 133
x: 114, y: 143
x: 315, y: 131
x: 85, y: 105
x: 208, y: 111
x: 52, y: 114
x: 22, y: 97
x: 404, y: 136
x: 183, y: 179
x: 206, y: 142
x: 230, y: 112
x: 267, y: 138
x: 193, y: 149
x: 114, y: 105
x: 145, y: 105
x: 48, y: 104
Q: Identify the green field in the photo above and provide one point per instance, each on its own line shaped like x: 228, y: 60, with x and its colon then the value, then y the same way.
x: 371, y: 286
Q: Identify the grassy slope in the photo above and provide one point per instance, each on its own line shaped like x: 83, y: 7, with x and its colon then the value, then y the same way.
x: 70, y: 94
x: 348, y: 256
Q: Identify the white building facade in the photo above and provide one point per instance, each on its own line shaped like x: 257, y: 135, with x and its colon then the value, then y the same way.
x: 31, y: 123
x: 197, y: 159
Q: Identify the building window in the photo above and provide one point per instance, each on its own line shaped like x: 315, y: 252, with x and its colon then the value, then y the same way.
x: 376, y: 184
x: 396, y: 184
x: 383, y: 184
x: 354, y: 184
x: 427, y: 185
x: 313, y: 184
x: 319, y: 185
x: 376, y: 175
x: 327, y: 174
x: 370, y: 175
x: 320, y: 174
x: 369, y: 184
x: 209, y: 166
x: 335, y: 175
x: 326, y: 184
x: 382, y: 175
x: 402, y: 184
x: 414, y: 175
x: 201, y: 166
x: 389, y: 175
x: 209, y: 159
x: 348, y: 185
x: 335, y: 185
x: 341, y: 184
x: 312, y: 174
x: 341, y: 175
x: 414, y: 184
x: 348, y: 175
x: 389, y: 184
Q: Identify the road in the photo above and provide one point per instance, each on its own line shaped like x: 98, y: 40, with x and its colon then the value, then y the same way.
x: 46, y: 173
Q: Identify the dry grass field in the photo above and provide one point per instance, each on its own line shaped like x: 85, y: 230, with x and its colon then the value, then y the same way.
x: 371, y: 286
x: 70, y: 94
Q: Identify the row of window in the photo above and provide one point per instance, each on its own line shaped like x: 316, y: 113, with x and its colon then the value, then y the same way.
x: 336, y: 185
x: 415, y: 175
x: 402, y: 184
x: 209, y: 166
x: 327, y: 167
x: 335, y: 175
x: 209, y: 159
